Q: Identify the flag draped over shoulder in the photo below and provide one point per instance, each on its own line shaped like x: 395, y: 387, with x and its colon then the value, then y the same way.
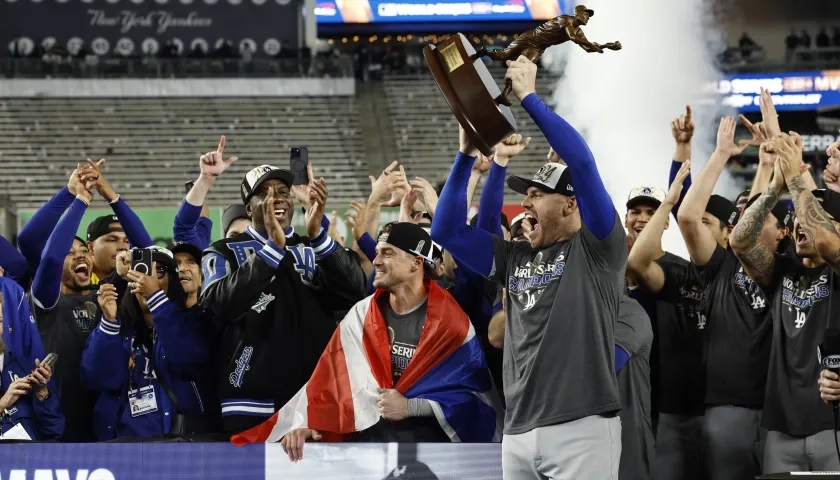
x: 448, y: 369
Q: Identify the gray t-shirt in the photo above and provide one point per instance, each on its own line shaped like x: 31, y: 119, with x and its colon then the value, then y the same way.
x: 559, y: 330
x: 634, y: 334
x: 403, y: 333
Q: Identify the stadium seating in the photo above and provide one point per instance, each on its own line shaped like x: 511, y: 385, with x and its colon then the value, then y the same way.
x: 152, y: 145
x: 427, y: 132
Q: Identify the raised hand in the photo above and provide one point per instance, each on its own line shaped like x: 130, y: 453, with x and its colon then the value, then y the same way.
x: 726, y: 138
x: 482, y: 163
x: 74, y: 184
x: 831, y: 174
x: 212, y: 164
x: 673, y: 195
x: 769, y: 116
x: 144, y: 284
x: 272, y: 225
x: 509, y: 148
x: 107, y: 299
x: 407, y: 206
x: 94, y: 179
x: 465, y: 144
x: 758, y: 131
x: 426, y: 192
x: 682, y: 127
x: 390, y: 187
x: 355, y: 219
x: 522, y: 74
x: 123, y: 263
x: 789, y: 150
x: 317, y: 203
x: 834, y: 150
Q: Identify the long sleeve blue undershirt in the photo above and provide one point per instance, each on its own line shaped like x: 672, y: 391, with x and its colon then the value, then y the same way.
x: 47, y: 283
x: 14, y: 263
x: 492, y: 200
x: 621, y: 358
x: 675, y: 167
x: 596, y: 207
x: 131, y: 224
x: 33, y: 236
x: 188, y: 227
x: 473, y: 247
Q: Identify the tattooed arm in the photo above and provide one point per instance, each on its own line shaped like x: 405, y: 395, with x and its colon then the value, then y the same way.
x: 758, y: 260
x: 814, y: 222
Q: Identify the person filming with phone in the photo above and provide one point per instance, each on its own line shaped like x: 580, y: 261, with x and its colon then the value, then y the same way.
x: 148, y: 356
x: 28, y: 410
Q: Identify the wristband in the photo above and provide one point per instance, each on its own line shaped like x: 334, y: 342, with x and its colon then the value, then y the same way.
x: 83, y: 199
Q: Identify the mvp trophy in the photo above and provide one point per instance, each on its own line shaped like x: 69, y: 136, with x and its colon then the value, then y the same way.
x: 475, y: 99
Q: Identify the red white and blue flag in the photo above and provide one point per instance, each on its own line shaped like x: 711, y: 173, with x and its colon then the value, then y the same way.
x: 448, y: 369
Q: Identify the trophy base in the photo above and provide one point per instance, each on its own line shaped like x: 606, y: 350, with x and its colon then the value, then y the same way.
x: 471, y: 92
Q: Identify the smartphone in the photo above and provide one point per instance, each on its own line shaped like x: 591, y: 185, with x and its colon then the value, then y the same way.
x: 298, y: 160
x: 141, y: 260
x: 188, y: 186
x: 50, y: 359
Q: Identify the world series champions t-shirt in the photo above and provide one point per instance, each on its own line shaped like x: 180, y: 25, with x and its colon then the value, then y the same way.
x: 404, y: 333
x: 64, y: 331
x: 678, y: 331
x: 560, y: 327
x: 805, y: 300
x: 738, y: 333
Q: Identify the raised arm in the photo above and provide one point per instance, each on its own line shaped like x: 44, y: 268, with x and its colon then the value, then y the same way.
x: 596, y: 207
x: 814, y: 222
x: 130, y: 222
x: 13, y: 262
x: 472, y: 247
x: 186, y: 227
x: 699, y: 240
x: 641, y: 263
x: 493, y: 193
x: 770, y: 129
x: 757, y: 259
x: 682, y: 129
x: 33, y: 236
x: 46, y: 286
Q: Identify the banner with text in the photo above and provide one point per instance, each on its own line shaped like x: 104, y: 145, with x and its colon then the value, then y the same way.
x: 790, y: 90
x: 222, y: 461
x: 398, y: 11
x: 143, y: 27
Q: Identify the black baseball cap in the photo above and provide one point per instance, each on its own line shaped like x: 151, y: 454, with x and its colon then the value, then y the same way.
x: 231, y: 214
x: 185, y: 247
x: 413, y: 239
x: 258, y: 175
x: 830, y: 201
x: 745, y: 193
x: 102, y: 226
x: 780, y: 211
x: 551, y: 178
x: 587, y: 10
x: 645, y: 195
x: 722, y: 209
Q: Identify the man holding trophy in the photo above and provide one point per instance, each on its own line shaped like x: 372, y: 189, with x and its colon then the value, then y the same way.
x: 559, y: 359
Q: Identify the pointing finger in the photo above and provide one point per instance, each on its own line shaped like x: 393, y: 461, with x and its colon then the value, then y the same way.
x: 221, y: 148
x: 687, y: 114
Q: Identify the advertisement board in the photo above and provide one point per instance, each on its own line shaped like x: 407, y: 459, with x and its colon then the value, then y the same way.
x: 399, y: 11
x: 143, y: 27
x: 222, y: 461
x: 790, y: 90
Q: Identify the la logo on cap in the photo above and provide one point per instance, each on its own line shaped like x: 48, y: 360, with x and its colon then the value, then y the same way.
x: 256, y: 173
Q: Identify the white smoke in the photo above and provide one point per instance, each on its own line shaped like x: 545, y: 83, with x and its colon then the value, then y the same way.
x: 623, y: 101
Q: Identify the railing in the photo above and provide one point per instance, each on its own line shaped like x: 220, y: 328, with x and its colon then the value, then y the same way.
x: 151, y: 67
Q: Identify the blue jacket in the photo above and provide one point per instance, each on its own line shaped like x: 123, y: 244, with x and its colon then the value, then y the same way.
x: 41, y: 420
x: 179, y: 355
x: 19, y: 330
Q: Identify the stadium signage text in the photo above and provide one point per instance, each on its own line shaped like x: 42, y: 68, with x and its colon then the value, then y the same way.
x: 45, y: 474
x: 160, y: 20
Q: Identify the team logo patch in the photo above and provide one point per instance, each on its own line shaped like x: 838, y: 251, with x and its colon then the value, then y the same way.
x: 263, y: 302
x: 243, y: 364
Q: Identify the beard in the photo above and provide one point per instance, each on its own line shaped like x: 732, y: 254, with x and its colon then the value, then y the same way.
x: 74, y: 286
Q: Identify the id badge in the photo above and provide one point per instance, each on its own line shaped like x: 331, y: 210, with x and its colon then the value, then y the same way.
x: 142, y: 401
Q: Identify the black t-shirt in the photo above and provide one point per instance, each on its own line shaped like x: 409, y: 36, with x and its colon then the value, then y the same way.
x: 64, y: 330
x: 805, y: 300
x: 737, y: 334
x: 403, y: 333
x: 678, y: 339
